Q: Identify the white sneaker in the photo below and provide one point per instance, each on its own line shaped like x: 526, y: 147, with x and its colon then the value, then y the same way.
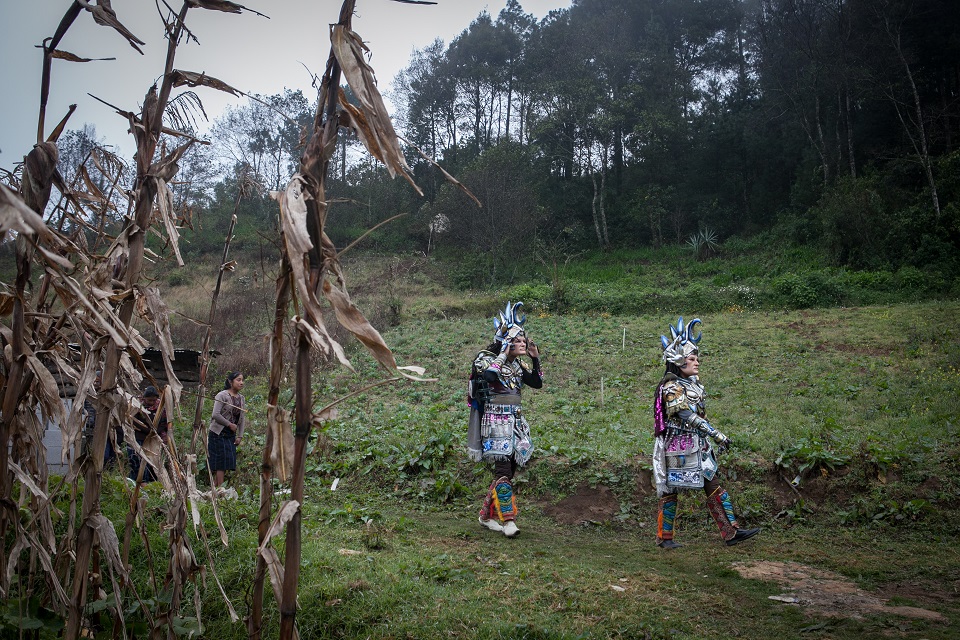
x: 491, y: 524
x: 510, y: 528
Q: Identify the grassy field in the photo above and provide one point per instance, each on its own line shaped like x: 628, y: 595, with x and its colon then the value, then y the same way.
x: 858, y: 406
x: 429, y: 572
x: 843, y: 418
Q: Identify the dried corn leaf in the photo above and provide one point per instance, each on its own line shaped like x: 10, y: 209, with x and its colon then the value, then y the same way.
x: 60, y: 601
x: 275, y: 571
x: 281, y: 454
x: 354, y: 321
x: 103, y: 14
x: 129, y: 370
x: 233, y: 614
x: 153, y: 309
x: 325, y: 415
x: 274, y: 566
x: 349, y: 50
x: 27, y: 481
x: 412, y: 368
x: 217, y: 5
x: 353, y: 118
x: 192, y: 79
x: 190, y: 461
x: 56, y: 259
x: 296, y: 238
x: 319, y: 339
x: 110, y: 545
x: 46, y: 392
x: 284, y: 514
x: 27, y: 437
x: 39, y: 174
x: 381, y: 138
x: 15, y: 215
x: 70, y: 430
x: 93, y: 191
x: 166, y: 168
x: 58, y: 130
x: 6, y: 303
x: 69, y: 292
x: 109, y: 542
x: 165, y: 207
x: 13, y: 559
x: 150, y: 451
x: 72, y: 57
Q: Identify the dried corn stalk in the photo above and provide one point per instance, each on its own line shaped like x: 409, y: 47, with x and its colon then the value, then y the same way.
x: 315, y: 270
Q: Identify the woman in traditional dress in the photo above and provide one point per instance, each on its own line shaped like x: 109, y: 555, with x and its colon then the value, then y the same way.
x: 498, y: 431
x: 683, y: 456
x: 226, y: 428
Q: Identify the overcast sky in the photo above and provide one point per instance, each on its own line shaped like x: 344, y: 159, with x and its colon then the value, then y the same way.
x: 251, y: 53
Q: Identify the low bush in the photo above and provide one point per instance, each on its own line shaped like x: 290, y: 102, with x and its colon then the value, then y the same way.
x: 807, y: 290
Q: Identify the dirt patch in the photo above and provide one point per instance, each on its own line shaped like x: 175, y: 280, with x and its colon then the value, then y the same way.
x: 824, y: 592
x: 784, y: 496
x: 588, y: 504
x: 922, y: 592
x: 814, y: 489
x: 644, y: 485
x: 876, y: 352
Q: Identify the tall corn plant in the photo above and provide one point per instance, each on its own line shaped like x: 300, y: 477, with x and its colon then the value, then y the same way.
x: 99, y: 296
x: 27, y: 384
x: 97, y: 311
x: 310, y: 269
x: 156, y: 165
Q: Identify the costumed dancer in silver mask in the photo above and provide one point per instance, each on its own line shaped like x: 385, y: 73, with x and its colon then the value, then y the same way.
x: 683, y: 456
x: 498, y: 431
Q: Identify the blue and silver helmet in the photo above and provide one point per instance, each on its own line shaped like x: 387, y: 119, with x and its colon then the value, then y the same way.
x: 510, y: 323
x: 682, y: 342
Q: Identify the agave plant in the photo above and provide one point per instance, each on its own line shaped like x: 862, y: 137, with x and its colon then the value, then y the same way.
x: 704, y: 243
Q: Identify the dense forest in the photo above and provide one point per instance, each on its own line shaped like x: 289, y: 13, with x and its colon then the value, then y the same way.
x: 635, y: 123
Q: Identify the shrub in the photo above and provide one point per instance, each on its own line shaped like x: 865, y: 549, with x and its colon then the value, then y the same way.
x: 911, y: 280
x: 803, y: 291
x: 472, y: 271
x: 535, y: 297
x: 178, y: 277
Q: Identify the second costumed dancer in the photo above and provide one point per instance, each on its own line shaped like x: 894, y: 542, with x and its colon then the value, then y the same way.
x: 683, y: 456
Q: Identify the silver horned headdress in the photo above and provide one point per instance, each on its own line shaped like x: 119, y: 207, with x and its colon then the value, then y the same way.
x: 682, y: 342
x: 510, y: 324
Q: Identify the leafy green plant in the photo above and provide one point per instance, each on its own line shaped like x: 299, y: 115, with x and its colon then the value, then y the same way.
x: 806, y: 456
x: 874, y: 510
x: 795, y: 514
x: 30, y: 616
x: 432, y: 454
x: 807, y: 290
x: 349, y: 514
